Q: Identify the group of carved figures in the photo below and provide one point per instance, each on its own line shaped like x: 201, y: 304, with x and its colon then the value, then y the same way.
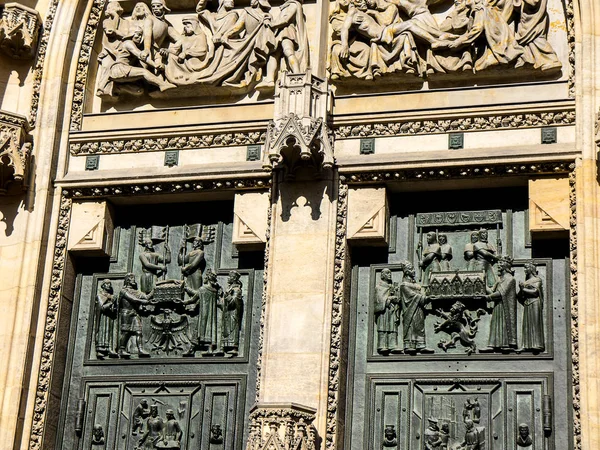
x: 407, y: 303
x: 155, y: 431
x: 200, y: 292
x: 239, y: 48
x: 375, y: 37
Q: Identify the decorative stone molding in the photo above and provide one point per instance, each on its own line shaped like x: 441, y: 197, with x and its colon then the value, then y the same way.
x: 19, y: 30
x: 299, y: 134
x: 15, y: 152
x: 340, y: 284
x: 167, y: 188
x: 92, y: 229
x: 467, y: 172
x: 250, y: 219
x: 158, y: 144
x: 50, y: 329
x: 574, y: 313
x: 263, y: 308
x: 282, y: 427
x: 40, y: 60
x: 446, y: 125
x: 548, y: 210
x: 83, y: 62
x: 368, y: 216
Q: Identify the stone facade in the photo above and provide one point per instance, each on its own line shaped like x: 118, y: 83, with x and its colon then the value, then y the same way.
x: 299, y: 225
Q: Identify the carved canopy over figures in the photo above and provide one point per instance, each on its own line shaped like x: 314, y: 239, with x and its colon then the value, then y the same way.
x: 376, y: 37
x: 219, y: 45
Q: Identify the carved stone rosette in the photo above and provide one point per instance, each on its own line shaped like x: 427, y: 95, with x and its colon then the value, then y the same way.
x: 14, y: 151
x: 282, y: 426
x: 299, y: 135
x: 19, y: 30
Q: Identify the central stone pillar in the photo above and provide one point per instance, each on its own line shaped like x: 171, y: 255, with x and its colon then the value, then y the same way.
x: 298, y: 311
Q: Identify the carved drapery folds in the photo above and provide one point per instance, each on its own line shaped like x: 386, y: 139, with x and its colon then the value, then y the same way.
x: 376, y: 37
x: 282, y: 427
x: 236, y: 49
x: 14, y: 152
x: 19, y: 30
x: 299, y: 135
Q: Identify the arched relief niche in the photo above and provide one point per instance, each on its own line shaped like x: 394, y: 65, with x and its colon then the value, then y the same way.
x: 378, y: 45
x: 189, y: 53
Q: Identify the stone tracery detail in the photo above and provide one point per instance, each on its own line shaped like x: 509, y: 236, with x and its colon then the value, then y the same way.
x: 19, y: 30
x: 372, y: 38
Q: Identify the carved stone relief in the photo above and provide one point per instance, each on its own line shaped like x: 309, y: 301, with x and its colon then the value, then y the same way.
x: 372, y: 38
x: 282, y: 427
x: 236, y: 49
x: 19, y: 30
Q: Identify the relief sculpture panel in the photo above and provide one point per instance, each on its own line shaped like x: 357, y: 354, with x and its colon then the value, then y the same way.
x: 153, y: 49
x: 470, y: 302
x: 172, y: 305
x: 421, y: 39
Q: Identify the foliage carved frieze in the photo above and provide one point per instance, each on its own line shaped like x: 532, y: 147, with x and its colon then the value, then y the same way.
x: 152, y: 144
x: 574, y: 292
x: 459, y: 124
x: 372, y: 38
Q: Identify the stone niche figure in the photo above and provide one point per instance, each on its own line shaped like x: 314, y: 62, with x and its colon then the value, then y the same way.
x: 432, y: 435
x: 130, y: 299
x: 485, y: 257
x: 503, y: 325
x: 432, y: 255
x: 387, y: 314
x: 106, y: 313
x: 140, y: 413
x: 524, y: 438
x: 291, y: 41
x: 154, y: 431
x: 207, y: 298
x: 413, y: 300
x: 446, y: 251
x: 233, y: 309
x: 470, y: 251
x: 192, y: 265
x: 532, y: 35
x: 171, y: 438
x: 531, y: 295
x: 154, y: 264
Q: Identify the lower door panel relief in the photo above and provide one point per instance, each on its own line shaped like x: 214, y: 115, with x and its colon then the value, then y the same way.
x: 474, y: 413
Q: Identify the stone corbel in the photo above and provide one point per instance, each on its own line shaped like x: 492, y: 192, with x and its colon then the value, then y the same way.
x: 368, y: 216
x: 19, y: 31
x: 282, y: 427
x: 549, y: 204
x: 15, y: 153
x: 91, y: 228
x: 250, y: 215
x: 299, y: 134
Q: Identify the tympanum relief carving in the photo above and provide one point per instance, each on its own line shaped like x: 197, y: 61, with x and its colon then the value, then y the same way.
x: 443, y: 305
x: 235, y: 49
x: 371, y: 38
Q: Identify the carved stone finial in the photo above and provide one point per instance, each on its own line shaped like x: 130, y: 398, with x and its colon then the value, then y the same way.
x: 19, y: 30
x: 299, y: 135
x: 14, y: 152
x: 282, y: 426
